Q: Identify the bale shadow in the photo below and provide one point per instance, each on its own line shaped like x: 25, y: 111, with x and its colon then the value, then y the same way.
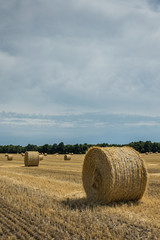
x: 83, y: 203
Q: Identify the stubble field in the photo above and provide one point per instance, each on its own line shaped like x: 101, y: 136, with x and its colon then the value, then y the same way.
x: 48, y: 202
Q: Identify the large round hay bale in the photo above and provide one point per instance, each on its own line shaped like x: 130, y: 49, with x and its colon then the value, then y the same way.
x: 45, y: 154
x: 9, y: 157
x: 67, y: 157
x: 114, y: 174
x: 31, y: 158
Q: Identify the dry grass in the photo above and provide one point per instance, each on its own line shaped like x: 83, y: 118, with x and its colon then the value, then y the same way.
x: 49, y: 202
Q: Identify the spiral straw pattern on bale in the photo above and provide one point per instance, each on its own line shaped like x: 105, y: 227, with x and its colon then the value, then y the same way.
x: 31, y: 158
x: 67, y: 157
x: 114, y: 174
x: 9, y: 157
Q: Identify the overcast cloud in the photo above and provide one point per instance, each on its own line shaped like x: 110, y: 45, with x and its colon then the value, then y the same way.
x: 74, y: 58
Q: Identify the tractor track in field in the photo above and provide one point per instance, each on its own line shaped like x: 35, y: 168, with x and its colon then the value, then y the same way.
x: 18, y: 225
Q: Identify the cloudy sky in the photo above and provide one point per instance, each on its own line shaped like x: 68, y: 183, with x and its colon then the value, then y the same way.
x: 79, y: 71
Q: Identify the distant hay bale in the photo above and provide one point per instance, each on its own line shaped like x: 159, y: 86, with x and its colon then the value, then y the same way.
x: 31, y: 158
x: 45, y: 154
x: 6, y: 154
x: 67, y: 157
x: 114, y: 174
x: 9, y: 157
x: 40, y: 157
x: 55, y: 154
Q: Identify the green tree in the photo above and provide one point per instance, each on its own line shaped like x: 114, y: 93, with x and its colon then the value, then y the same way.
x: 148, y: 146
x: 60, y: 148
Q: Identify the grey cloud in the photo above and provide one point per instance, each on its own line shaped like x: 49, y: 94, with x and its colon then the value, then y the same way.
x: 85, y: 119
x: 89, y: 127
x: 79, y: 56
x: 154, y: 5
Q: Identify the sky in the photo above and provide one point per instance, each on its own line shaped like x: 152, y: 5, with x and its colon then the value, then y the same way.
x: 84, y: 71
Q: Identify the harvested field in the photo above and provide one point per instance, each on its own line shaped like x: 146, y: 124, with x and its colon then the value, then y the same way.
x: 49, y: 202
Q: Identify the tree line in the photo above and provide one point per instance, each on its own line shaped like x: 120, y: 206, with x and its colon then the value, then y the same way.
x: 61, y: 148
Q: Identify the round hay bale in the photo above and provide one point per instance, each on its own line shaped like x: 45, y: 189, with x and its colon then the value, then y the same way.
x: 113, y: 174
x: 40, y: 157
x: 67, y: 157
x: 31, y: 158
x: 9, y: 157
x: 6, y: 154
x: 55, y: 154
x: 45, y: 154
